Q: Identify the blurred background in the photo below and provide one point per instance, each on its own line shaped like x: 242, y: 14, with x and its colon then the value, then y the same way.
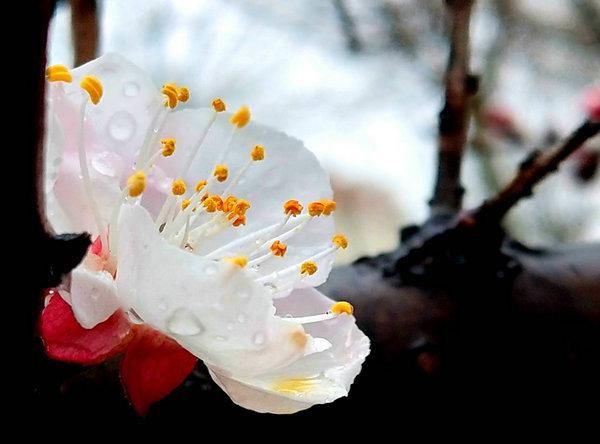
x: 360, y: 83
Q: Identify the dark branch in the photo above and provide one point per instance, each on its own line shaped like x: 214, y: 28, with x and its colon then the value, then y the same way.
x: 84, y: 28
x: 348, y: 26
x: 454, y: 116
x: 533, y: 170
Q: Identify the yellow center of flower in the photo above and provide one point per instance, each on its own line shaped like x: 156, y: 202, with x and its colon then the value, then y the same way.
x: 93, y: 87
x: 58, y: 73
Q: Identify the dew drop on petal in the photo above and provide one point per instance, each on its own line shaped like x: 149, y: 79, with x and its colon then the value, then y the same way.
x: 221, y: 338
x: 121, y: 126
x: 108, y: 164
x: 131, y: 89
x: 229, y: 327
x: 259, y: 338
x: 241, y: 318
x: 184, y: 323
x: 210, y: 270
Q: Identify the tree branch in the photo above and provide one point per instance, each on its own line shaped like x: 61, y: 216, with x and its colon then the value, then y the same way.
x: 84, y: 28
x: 533, y: 170
x: 348, y: 26
x: 454, y: 116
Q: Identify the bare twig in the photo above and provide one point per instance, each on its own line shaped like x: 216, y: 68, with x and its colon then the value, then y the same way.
x: 454, y: 116
x: 533, y: 171
x: 348, y: 26
x: 84, y: 25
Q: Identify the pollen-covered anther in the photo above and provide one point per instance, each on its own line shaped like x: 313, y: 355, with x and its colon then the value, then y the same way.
x: 239, y: 261
x: 136, y: 183
x: 292, y: 207
x: 342, y: 307
x: 240, y: 220
x: 258, y: 153
x: 185, y: 203
x: 241, y: 206
x: 241, y: 117
x: 168, y: 147
x: 213, y: 203
x: 308, y: 268
x: 200, y: 185
x: 316, y: 209
x: 229, y: 204
x: 278, y: 248
x: 218, y: 105
x: 221, y: 173
x: 329, y: 206
x: 93, y: 87
x: 183, y: 94
x: 178, y: 187
x: 170, y: 92
x: 299, y: 338
x: 58, y: 73
x: 340, y: 241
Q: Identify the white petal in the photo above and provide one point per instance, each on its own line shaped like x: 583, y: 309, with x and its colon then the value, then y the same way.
x: 93, y: 296
x: 318, y: 377
x: 210, y: 307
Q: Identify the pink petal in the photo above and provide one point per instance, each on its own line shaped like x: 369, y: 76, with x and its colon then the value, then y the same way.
x: 66, y: 340
x: 153, y: 366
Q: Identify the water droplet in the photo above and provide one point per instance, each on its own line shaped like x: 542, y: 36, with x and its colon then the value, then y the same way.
x: 108, y: 164
x: 131, y: 89
x: 209, y: 270
x: 121, y: 126
x: 162, y: 306
x: 259, y: 338
x: 134, y: 317
x: 229, y: 327
x: 241, y: 318
x: 184, y: 323
x: 220, y: 338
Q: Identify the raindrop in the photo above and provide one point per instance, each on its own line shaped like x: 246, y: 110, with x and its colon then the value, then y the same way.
x: 131, y: 89
x: 183, y: 322
x: 209, y: 270
x: 241, y: 318
x: 259, y: 338
x: 108, y: 164
x: 121, y: 126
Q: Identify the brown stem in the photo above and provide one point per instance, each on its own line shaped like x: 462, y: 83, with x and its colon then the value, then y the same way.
x: 84, y: 26
x: 454, y: 116
x: 348, y: 26
x: 532, y: 172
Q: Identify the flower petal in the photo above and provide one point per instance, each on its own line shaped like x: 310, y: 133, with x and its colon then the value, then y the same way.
x: 66, y: 340
x: 212, y: 308
x: 153, y: 366
x: 93, y: 296
x: 317, y: 378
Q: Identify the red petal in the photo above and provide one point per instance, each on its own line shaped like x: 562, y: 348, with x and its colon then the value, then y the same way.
x: 66, y: 340
x: 153, y: 366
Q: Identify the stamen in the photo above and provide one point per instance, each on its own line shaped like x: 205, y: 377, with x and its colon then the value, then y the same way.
x: 170, y: 92
x: 336, y: 310
x: 93, y: 87
x: 257, y: 153
x: 292, y: 207
x: 340, y: 241
x: 168, y: 147
x: 178, y: 188
x: 342, y: 307
x: 229, y: 204
x: 200, y: 185
x: 315, y: 209
x: 185, y: 203
x: 58, y: 73
x: 240, y: 261
x: 218, y: 105
x: 278, y: 248
x: 221, y: 172
x: 183, y: 94
x: 241, y: 117
x: 241, y: 220
x: 309, y: 268
x: 136, y: 183
x: 329, y: 206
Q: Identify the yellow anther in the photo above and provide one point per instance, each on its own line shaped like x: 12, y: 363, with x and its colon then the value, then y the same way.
x: 170, y: 92
x: 309, y: 268
x: 292, y: 207
x: 185, y: 203
x: 200, y: 185
x: 340, y: 241
x: 299, y: 338
x: 204, y: 197
x: 278, y: 248
x: 328, y: 206
x: 241, y: 206
x: 294, y: 386
x: 229, y: 204
x: 93, y: 87
x: 241, y: 117
x: 178, y: 188
x: 221, y: 172
x: 218, y: 105
x: 58, y: 73
x: 241, y: 220
x: 342, y: 307
x: 136, y: 183
x: 240, y: 261
x: 213, y: 203
x: 316, y: 208
x: 258, y: 152
x: 183, y: 94
x: 168, y: 147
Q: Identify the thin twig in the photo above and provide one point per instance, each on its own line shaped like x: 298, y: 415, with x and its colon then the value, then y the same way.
x: 454, y: 116
x: 532, y: 172
x: 84, y: 26
x: 348, y: 26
